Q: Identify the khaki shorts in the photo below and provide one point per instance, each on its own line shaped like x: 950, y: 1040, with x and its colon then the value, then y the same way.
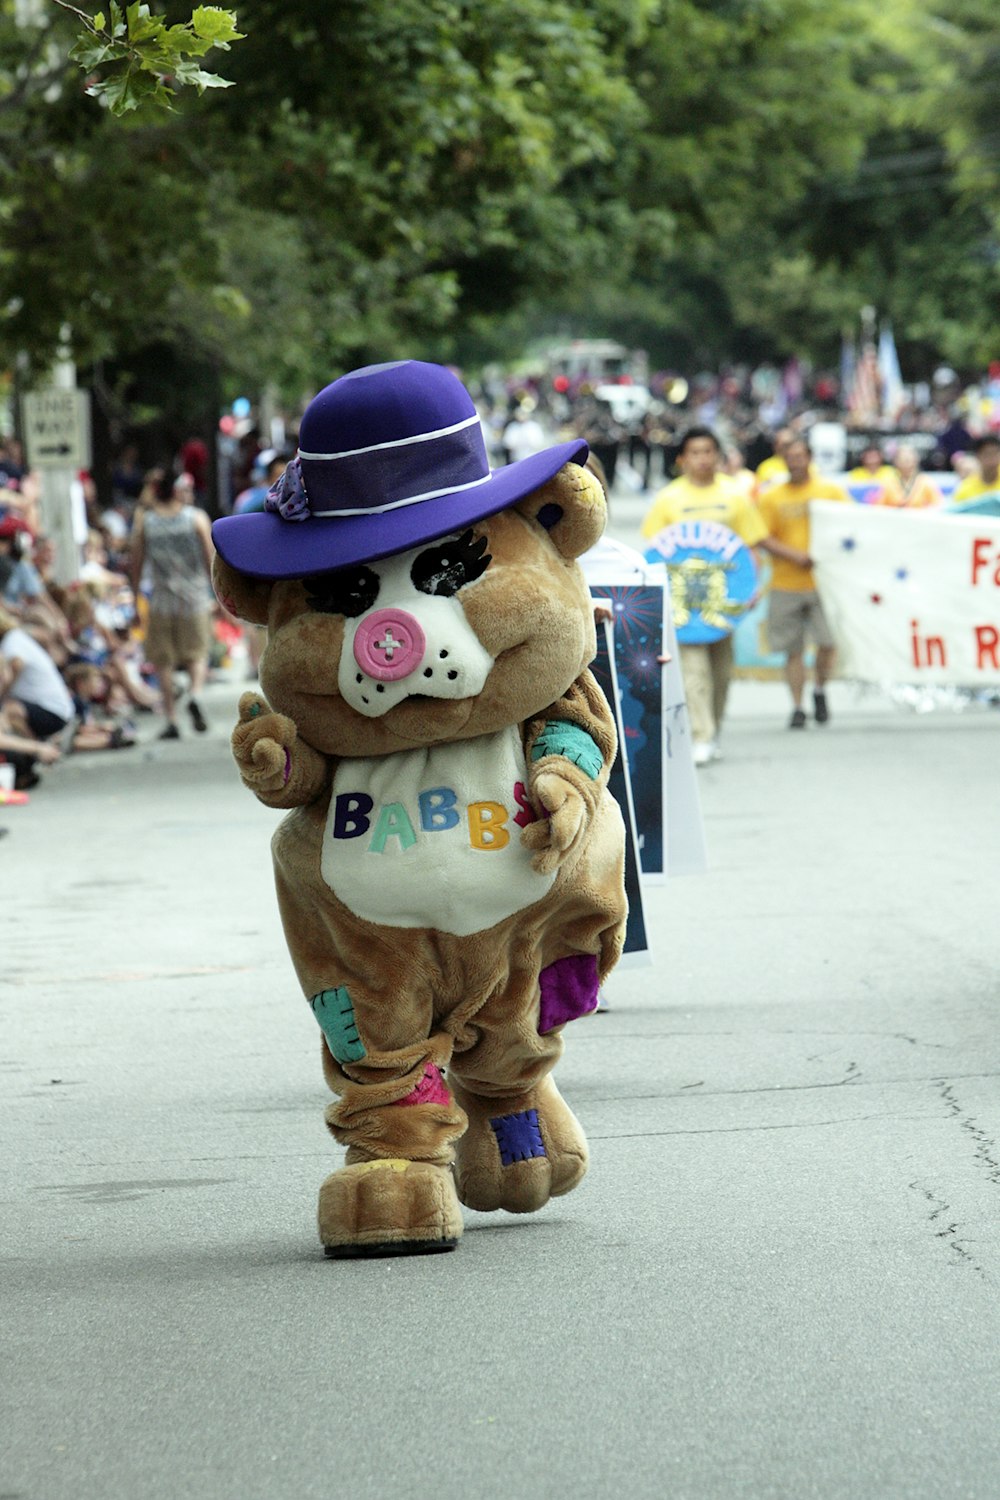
x: 176, y: 640
x: 793, y: 616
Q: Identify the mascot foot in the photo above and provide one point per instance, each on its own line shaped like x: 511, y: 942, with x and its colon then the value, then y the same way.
x: 389, y: 1208
x: 518, y: 1152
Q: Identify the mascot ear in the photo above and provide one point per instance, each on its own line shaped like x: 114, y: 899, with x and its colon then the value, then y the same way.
x: 571, y: 508
x: 246, y: 598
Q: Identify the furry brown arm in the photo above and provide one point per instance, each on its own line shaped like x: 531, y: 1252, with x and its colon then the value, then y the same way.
x: 584, y: 705
x: 569, y: 750
x: 279, y: 768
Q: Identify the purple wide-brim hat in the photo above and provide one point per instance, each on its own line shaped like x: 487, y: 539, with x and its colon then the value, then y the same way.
x: 390, y: 456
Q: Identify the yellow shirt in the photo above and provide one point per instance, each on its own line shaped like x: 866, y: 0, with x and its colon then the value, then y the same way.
x: 785, y: 509
x: 976, y: 485
x: 921, y: 493
x: 722, y: 501
x: 884, y: 474
x: 773, y: 470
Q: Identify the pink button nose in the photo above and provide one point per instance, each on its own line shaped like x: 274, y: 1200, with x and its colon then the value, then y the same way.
x: 389, y: 644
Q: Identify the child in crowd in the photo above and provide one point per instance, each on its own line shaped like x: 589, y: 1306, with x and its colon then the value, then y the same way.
x: 87, y: 686
x: 93, y: 643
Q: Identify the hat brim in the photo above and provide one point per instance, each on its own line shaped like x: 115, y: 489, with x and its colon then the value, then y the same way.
x: 263, y: 545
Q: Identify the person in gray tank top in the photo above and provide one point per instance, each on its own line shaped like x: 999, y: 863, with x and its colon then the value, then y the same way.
x: 172, y: 540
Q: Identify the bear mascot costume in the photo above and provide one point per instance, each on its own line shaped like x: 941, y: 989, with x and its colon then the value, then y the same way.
x: 450, y: 872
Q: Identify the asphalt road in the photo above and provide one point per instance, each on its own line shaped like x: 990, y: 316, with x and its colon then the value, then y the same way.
x: 779, y: 1280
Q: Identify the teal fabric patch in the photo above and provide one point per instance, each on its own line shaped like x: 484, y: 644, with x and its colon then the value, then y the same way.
x: 560, y: 738
x: 335, y: 1014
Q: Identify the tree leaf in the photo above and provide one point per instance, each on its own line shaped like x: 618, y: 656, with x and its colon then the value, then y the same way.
x: 217, y: 25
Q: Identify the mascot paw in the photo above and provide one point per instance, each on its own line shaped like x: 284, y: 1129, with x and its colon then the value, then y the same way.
x: 389, y: 1207
x: 519, y: 1152
x: 262, y: 743
x: 563, y: 823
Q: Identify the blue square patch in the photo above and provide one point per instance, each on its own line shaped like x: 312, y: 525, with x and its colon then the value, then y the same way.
x: 518, y: 1137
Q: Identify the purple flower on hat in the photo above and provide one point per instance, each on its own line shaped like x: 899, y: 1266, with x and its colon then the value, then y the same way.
x: 287, y: 496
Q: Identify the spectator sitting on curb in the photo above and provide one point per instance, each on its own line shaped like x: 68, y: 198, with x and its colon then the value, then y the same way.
x: 86, y: 684
x: 38, y: 703
x: 24, y: 589
x: 23, y: 751
x: 94, y: 644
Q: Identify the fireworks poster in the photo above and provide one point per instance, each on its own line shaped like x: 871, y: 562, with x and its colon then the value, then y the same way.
x: 637, y: 615
x: 636, y: 949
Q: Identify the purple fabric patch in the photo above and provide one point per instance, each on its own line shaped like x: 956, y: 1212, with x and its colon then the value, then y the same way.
x: 518, y: 1137
x: 569, y: 989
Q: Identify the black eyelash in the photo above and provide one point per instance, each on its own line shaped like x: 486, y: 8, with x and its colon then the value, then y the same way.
x: 346, y: 591
x: 450, y: 565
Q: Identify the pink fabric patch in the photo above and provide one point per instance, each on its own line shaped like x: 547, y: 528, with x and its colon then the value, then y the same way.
x: 430, y: 1090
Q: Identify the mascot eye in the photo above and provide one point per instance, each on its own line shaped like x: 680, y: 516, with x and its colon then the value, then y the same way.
x: 346, y: 591
x: 450, y: 565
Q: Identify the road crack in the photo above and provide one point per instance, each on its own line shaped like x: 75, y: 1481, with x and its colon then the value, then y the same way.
x: 948, y: 1231
x: 985, y: 1150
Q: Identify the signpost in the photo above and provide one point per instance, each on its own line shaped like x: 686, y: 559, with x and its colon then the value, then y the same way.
x: 56, y: 427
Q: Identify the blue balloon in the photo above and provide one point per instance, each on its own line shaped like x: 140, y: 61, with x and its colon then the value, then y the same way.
x: 241, y: 407
x: 713, y: 578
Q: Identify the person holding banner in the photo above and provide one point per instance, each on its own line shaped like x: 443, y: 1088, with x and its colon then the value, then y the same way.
x: 987, y: 481
x: 873, y: 475
x: 703, y: 494
x: 794, y: 610
x: 915, y: 490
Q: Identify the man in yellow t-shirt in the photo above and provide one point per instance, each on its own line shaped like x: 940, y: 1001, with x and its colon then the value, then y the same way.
x: 794, y: 609
x: 703, y: 494
x: 987, y: 481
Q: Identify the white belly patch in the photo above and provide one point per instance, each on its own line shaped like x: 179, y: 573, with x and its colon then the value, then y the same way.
x: 432, y: 838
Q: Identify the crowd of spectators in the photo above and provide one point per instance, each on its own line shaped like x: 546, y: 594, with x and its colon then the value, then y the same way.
x: 924, y: 440
x: 80, y: 661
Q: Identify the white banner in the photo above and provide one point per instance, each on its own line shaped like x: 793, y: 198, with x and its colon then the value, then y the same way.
x: 910, y: 596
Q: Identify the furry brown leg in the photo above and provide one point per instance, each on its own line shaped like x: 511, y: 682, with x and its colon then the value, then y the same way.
x: 519, y: 1150
x: 389, y: 1207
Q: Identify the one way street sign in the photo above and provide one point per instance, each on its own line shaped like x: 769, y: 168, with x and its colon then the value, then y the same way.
x: 56, y: 426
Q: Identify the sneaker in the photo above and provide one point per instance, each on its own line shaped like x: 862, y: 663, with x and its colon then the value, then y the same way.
x: 171, y: 733
x: 602, y: 1007
x: 197, y: 717
x: 798, y: 719
x: 704, y: 751
x: 821, y: 710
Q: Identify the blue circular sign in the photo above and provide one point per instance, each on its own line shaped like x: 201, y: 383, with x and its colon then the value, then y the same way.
x: 713, y: 578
